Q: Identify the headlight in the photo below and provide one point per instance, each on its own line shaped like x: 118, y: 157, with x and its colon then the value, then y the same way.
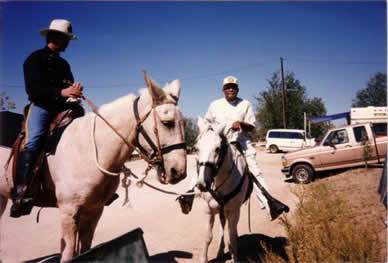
x: 284, y: 161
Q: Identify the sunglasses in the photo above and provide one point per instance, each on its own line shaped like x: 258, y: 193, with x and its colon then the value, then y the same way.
x: 233, y: 87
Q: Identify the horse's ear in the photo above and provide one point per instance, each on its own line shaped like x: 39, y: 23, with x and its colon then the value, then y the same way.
x: 201, y: 123
x: 174, y: 89
x: 156, y: 92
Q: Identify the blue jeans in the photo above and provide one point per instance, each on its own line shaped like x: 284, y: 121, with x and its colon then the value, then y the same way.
x: 36, y: 126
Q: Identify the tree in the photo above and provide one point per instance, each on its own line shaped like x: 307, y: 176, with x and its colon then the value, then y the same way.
x: 375, y: 94
x: 5, y: 103
x: 191, y: 134
x: 269, y: 108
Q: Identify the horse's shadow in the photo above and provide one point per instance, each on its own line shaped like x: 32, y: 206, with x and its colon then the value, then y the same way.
x: 170, y: 256
x: 253, y: 248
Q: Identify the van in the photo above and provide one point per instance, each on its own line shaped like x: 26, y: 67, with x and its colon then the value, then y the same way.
x: 287, y: 140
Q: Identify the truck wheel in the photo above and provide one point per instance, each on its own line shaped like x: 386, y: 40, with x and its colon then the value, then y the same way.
x: 302, y: 174
x: 273, y: 148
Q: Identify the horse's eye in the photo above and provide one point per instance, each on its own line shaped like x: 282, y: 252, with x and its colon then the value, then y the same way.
x: 218, y: 149
x: 169, y: 124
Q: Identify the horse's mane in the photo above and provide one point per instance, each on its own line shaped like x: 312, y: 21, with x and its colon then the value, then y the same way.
x: 124, y: 100
x: 209, y: 126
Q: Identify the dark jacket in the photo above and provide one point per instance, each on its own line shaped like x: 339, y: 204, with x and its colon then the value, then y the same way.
x: 44, y: 73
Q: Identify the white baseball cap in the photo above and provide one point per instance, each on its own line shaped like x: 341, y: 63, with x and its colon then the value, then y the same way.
x: 230, y: 80
x: 60, y: 25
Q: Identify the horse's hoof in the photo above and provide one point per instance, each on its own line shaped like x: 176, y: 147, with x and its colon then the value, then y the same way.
x: 112, y: 199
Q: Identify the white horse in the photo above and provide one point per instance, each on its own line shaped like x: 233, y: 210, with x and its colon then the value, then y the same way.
x: 224, y: 183
x: 81, y: 188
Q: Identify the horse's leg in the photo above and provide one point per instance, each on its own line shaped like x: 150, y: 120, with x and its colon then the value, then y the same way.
x: 69, y: 216
x: 87, y: 227
x: 3, y: 204
x: 232, y: 225
x: 221, y: 246
x: 209, y: 222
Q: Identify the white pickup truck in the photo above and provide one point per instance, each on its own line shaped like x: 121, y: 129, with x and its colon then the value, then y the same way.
x: 342, y: 147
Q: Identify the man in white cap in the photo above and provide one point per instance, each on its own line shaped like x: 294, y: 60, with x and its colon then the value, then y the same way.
x: 238, y: 113
x: 49, y: 82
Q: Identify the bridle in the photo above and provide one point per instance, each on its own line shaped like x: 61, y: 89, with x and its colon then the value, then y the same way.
x: 156, y: 156
x: 214, y: 167
x: 222, y: 199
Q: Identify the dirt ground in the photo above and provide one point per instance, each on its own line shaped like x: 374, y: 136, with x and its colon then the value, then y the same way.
x: 170, y: 236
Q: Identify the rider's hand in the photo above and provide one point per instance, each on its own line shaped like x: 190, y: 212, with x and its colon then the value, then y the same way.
x: 236, y: 126
x: 75, y: 90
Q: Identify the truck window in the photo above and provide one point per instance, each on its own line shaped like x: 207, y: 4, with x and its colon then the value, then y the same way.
x: 380, y: 129
x: 360, y: 134
x: 337, y: 137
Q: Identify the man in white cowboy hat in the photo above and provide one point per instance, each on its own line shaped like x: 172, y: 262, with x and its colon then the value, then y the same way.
x: 238, y: 113
x: 47, y: 77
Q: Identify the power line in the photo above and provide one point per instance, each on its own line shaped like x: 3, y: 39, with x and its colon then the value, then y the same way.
x: 337, y: 62
x: 223, y: 72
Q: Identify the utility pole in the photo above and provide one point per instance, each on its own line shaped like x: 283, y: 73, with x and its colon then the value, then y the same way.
x: 284, y: 95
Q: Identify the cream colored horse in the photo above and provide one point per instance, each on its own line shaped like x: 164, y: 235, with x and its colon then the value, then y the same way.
x: 224, y: 184
x: 80, y: 187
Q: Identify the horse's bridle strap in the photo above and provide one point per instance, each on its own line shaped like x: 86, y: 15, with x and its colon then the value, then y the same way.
x: 213, y: 166
x: 173, y: 147
x: 210, y: 165
x: 158, y: 151
x: 140, y: 130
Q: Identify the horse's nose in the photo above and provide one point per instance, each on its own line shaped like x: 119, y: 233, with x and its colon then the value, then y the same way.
x: 176, y: 176
x: 201, y: 187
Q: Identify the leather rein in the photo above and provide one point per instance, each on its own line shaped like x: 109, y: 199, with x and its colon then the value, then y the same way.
x: 154, y: 158
x: 216, y: 166
x: 220, y: 198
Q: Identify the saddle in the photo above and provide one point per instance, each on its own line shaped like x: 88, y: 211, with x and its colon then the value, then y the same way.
x: 37, y: 188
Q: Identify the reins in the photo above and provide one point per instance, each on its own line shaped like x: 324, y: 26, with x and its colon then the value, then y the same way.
x: 129, y: 144
x: 150, y: 159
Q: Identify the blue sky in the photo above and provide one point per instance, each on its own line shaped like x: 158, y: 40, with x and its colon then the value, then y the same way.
x: 333, y: 48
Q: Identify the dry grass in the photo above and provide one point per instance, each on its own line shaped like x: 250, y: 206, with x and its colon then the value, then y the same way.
x: 337, y: 219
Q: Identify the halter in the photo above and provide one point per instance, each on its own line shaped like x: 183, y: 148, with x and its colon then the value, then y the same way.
x: 156, y: 156
x: 216, y: 166
x: 220, y: 198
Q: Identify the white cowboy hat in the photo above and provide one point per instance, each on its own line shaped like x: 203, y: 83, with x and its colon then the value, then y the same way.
x: 59, y: 25
x: 230, y: 80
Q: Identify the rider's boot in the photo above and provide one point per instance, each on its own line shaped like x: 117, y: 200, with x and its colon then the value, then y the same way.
x: 273, y: 206
x: 22, y: 205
